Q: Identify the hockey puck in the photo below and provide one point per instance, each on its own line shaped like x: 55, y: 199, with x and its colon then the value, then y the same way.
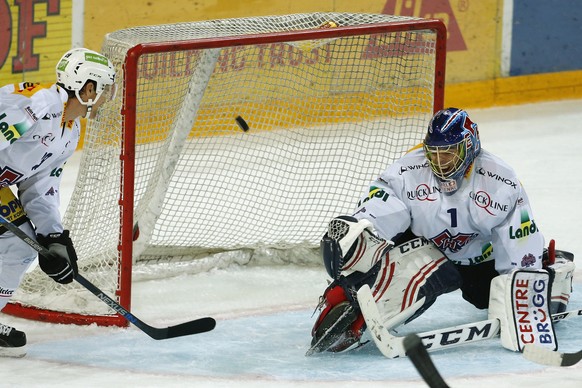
x: 135, y: 234
x: 242, y: 123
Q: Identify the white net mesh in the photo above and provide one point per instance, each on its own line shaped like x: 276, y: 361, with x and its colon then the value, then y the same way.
x: 325, y: 116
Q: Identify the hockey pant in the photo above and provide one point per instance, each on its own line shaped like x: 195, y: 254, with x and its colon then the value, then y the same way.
x: 15, y: 258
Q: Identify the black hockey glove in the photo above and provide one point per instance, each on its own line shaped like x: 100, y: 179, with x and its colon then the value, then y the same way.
x: 61, y: 266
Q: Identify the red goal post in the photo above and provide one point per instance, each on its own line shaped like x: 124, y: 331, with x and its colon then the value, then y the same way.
x: 169, y: 174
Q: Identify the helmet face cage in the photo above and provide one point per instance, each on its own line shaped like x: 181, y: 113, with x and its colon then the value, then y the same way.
x: 451, y: 145
x: 77, y: 66
x: 447, y: 161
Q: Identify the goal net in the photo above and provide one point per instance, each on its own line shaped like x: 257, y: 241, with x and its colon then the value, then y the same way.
x: 244, y: 135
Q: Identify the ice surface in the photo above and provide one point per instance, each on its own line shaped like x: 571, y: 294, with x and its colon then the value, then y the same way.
x: 264, y: 313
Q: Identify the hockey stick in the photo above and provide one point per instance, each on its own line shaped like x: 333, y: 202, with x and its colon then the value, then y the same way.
x: 391, y: 346
x: 546, y: 356
x: 417, y: 353
x: 187, y: 328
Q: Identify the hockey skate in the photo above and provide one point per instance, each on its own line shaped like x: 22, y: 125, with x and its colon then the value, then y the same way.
x: 12, y: 342
x: 340, y: 324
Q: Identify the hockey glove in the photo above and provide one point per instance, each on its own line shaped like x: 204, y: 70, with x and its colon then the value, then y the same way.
x: 61, y: 266
x: 351, y: 245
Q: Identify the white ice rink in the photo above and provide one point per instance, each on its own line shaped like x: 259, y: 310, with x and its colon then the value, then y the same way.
x: 264, y: 313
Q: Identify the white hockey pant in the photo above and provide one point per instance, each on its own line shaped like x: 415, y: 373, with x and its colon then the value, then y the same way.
x: 15, y: 258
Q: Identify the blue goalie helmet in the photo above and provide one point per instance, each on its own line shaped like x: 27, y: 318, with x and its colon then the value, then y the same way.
x: 451, y: 145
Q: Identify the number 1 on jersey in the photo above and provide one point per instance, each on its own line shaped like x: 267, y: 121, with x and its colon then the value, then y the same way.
x: 453, y: 213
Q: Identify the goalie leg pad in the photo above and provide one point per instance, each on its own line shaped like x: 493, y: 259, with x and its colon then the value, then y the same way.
x: 414, y: 271
x: 520, y: 301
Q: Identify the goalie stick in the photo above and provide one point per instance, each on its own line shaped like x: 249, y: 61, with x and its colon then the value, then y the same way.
x: 392, y: 346
x: 196, y: 326
x: 417, y: 353
x: 545, y: 356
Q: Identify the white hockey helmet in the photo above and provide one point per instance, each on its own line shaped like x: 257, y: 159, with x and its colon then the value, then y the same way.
x: 79, y: 65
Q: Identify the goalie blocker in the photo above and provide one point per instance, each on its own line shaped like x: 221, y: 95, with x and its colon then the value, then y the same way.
x: 405, y: 280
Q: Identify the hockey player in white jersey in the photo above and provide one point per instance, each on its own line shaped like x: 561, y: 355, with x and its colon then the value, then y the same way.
x: 39, y: 131
x: 446, y: 215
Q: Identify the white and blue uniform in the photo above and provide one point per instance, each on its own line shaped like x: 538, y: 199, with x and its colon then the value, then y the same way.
x: 488, y: 218
x: 35, y: 143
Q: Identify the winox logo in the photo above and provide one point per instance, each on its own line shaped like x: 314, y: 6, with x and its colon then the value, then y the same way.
x: 497, y: 177
x: 446, y: 241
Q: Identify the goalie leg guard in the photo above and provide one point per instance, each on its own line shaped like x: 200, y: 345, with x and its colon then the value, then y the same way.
x: 520, y: 301
x: 404, y: 284
x: 411, y: 279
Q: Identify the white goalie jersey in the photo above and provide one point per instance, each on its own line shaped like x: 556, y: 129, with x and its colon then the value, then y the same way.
x: 488, y: 218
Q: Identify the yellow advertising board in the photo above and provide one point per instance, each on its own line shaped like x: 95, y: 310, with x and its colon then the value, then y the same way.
x: 34, y: 34
x: 472, y: 25
x: 33, y: 37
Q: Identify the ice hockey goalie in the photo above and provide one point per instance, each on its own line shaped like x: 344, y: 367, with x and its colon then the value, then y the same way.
x: 405, y: 277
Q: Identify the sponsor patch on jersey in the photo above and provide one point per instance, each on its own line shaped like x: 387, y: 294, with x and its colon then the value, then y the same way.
x: 404, y: 169
x: 8, y: 177
x: 483, y: 200
x: 10, y: 206
x: 375, y: 192
x: 28, y: 89
x: 423, y: 193
x: 496, y: 177
x: 526, y: 227
x: 52, y: 191
x: 9, y: 133
x: 528, y: 260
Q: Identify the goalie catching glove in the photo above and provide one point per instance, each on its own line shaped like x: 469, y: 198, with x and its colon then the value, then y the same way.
x: 61, y: 266
x: 351, y: 245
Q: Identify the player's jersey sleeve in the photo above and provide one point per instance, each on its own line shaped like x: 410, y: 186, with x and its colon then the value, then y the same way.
x: 15, y: 119
x: 382, y: 205
x: 517, y: 241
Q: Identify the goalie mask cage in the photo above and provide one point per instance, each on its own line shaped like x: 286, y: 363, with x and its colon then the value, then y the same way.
x: 326, y: 101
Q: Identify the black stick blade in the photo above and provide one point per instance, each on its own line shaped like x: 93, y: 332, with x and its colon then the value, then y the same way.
x: 197, y: 326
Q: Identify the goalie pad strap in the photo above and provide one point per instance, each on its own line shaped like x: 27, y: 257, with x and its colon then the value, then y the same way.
x: 520, y: 300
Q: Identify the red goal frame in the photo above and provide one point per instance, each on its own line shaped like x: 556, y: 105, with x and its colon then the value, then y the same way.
x: 128, y: 142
